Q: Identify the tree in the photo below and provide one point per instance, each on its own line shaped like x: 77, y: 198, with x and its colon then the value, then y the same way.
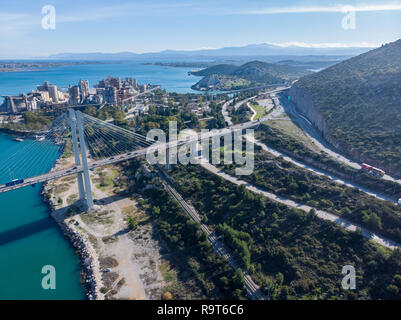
x: 132, y: 223
x: 372, y: 220
x: 155, y: 211
x: 238, y: 278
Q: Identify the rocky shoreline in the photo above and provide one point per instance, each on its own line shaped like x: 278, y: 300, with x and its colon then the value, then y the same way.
x: 87, y: 260
x: 88, y: 279
x: 137, y: 257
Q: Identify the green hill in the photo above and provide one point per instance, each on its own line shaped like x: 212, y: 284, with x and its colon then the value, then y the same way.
x: 357, y: 105
x: 229, y: 77
x: 222, y: 69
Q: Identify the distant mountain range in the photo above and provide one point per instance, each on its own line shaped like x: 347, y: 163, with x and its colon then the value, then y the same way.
x: 357, y: 105
x: 253, y: 51
x: 254, y: 73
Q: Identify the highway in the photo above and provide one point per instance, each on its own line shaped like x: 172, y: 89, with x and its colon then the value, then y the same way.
x: 227, y: 118
x: 304, y: 123
x: 319, y: 141
x: 282, y: 105
x: 252, y: 288
x: 129, y: 155
x: 320, y: 172
x: 247, y: 89
x: 348, y: 225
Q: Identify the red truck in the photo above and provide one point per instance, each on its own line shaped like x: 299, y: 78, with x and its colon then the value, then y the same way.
x: 372, y: 170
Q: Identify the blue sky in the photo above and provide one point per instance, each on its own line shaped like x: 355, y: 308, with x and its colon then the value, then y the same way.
x: 155, y: 25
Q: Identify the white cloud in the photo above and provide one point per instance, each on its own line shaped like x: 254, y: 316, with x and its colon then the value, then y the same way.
x: 327, y: 9
x: 12, y: 23
x: 130, y: 9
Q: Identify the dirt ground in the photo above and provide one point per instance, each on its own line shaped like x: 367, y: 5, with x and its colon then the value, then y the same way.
x: 127, y: 262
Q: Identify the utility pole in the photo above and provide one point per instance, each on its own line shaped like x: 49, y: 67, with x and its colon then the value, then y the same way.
x: 73, y: 123
x: 88, y: 189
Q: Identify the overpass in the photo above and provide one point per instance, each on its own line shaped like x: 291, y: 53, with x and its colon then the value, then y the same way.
x: 261, y: 87
x: 80, y: 131
x: 80, y: 146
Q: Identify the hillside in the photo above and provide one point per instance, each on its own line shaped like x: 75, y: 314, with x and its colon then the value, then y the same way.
x: 221, y: 69
x: 229, y: 77
x: 356, y: 104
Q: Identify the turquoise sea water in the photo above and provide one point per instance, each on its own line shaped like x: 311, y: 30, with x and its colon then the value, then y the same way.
x: 29, y: 238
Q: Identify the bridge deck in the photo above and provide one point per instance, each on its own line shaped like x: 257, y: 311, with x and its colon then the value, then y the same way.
x: 124, y: 157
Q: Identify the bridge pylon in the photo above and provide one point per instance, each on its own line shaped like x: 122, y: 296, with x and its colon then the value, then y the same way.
x: 84, y: 183
x: 80, y: 178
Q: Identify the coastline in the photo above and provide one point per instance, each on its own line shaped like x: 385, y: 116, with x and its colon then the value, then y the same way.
x: 13, y: 132
x: 116, y: 263
x: 90, y: 271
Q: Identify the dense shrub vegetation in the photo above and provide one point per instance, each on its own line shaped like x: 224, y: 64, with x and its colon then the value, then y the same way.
x: 359, y: 100
x: 254, y: 73
x: 189, y: 246
x: 291, y: 253
x: 294, y: 148
x: 281, y: 177
x: 33, y: 121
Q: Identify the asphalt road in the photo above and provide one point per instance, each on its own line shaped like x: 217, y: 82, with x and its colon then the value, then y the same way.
x: 350, y: 226
x: 319, y: 141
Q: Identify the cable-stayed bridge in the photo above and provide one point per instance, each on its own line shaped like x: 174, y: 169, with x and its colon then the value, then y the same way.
x: 94, y: 143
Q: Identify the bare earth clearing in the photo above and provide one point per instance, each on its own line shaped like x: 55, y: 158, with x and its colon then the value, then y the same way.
x: 126, y: 263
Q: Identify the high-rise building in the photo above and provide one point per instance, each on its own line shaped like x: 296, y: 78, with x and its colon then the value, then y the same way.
x: 110, y: 95
x: 53, y: 93
x: 116, y: 82
x: 75, y: 97
x: 131, y: 82
x: 84, y: 88
x: 44, y: 86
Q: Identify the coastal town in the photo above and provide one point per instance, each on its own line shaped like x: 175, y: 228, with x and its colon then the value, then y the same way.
x: 126, y: 95
x: 110, y: 91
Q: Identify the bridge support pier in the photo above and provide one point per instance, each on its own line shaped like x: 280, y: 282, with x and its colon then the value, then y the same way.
x: 73, y: 122
x: 84, y: 184
x: 82, y: 144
